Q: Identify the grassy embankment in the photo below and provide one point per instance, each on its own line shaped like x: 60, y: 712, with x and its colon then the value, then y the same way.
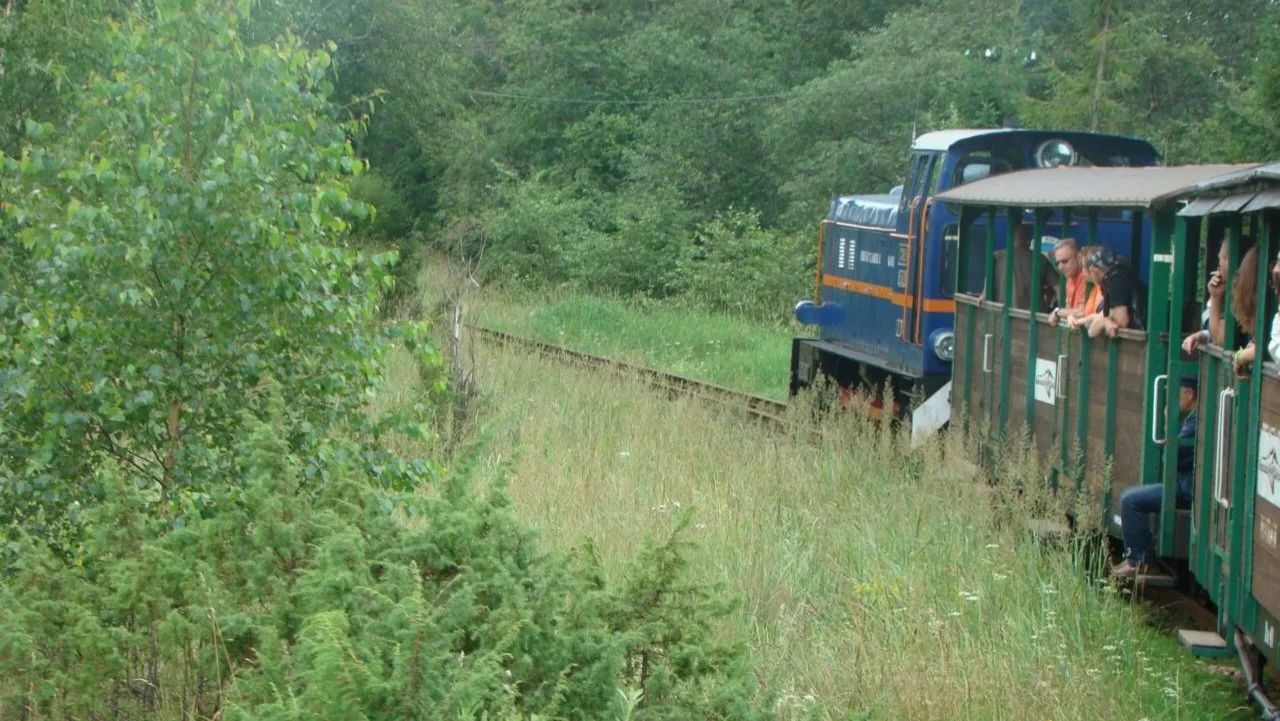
x: 727, y: 351
x: 874, y: 584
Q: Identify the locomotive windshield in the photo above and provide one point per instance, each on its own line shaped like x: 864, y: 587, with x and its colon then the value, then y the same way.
x: 1005, y: 153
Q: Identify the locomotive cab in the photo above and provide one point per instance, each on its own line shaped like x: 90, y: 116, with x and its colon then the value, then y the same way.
x: 886, y: 276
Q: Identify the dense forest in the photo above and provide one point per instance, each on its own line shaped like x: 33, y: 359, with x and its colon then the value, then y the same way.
x: 650, y: 147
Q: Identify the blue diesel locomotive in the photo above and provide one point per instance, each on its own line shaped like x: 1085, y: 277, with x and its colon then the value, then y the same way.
x: 886, y: 266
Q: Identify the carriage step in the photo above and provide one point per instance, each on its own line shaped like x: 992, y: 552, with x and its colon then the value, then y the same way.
x: 1156, y: 580
x: 1204, y: 644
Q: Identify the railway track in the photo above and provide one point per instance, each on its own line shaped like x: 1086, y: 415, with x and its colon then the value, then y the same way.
x: 765, y: 409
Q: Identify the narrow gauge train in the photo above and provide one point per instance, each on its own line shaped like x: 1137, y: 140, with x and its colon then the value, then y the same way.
x: 887, y: 263
x: 1098, y: 409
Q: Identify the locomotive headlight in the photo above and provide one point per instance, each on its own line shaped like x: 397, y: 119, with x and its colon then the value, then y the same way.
x: 944, y: 344
x: 1055, y: 154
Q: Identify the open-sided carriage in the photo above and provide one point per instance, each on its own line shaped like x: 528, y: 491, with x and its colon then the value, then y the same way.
x: 1099, y: 409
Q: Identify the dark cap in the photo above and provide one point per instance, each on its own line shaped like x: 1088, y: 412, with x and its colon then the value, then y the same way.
x: 1190, y: 381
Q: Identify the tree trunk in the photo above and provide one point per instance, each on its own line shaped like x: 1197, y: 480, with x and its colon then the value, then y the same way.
x: 1102, y: 67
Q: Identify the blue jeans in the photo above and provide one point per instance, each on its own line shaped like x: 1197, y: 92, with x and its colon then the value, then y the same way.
x: 1136, y: 504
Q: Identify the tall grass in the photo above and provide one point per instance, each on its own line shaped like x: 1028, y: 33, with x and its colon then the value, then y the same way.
x: 674, y: 337
x: 875, y: 582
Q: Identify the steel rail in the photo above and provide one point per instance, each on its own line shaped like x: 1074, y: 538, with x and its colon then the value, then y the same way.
x: 765, y: 409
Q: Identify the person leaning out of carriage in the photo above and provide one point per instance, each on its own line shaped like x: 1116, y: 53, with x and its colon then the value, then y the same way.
x: 1216, y: 299
x: 1246, y: 286
x: 1244, y: 302
x: 1069, y: 258
x: 1123, y: 299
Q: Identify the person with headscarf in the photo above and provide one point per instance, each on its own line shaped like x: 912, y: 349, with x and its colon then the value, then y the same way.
x: 1123, y: 296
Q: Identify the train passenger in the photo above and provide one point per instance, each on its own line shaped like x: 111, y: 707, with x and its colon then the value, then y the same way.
x: 1088, y: 304
x: 1137, y: 502
x: 1023, y: 254
x: 1215, y: 325
x: 1123, y: 296
x: 1244, y: 305
x: 1066, y: 255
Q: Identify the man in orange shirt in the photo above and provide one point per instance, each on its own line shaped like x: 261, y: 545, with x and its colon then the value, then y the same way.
x: 1067, y: 256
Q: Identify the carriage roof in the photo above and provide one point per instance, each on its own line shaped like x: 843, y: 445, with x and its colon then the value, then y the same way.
x: 1096, y: 187
x: 1243, y: 191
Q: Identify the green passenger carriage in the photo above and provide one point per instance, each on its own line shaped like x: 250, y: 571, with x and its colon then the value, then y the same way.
x: 1099, y: 409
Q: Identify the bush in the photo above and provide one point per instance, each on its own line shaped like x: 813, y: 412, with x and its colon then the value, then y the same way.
x: 734, y: 265
x: 391, y: 218
x: 350, y: 602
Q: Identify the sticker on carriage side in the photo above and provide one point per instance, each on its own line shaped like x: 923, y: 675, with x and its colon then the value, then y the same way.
x: 1269, y: 464
x: 1267, y: 531
x: 868, y: 256
x: 1046, y: 381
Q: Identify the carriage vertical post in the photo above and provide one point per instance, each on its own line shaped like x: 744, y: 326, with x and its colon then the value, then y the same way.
x: 1240, y: 410
x: 1033, y: 334
x: 1086, y: 368
x: 1164, y: 301
x: 1265, y: 245
x: 988, y: 393
x: 1063, y: 351
x: 1173, y: 348
x: 1013, y: 220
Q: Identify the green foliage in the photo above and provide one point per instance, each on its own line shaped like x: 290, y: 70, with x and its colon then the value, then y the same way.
x: 176, y: 241
x: 734, y: 265
x: 645, y: 120
x: 204, y: 518
x: 46, y: 47
x: 348, y: 602
x: 391, y: 218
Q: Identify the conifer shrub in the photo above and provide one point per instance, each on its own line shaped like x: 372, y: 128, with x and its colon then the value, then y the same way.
x: 349, y: 602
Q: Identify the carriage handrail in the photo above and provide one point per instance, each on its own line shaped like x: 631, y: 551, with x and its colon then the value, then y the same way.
x: 1155, y: 405
x: 1219, y: 461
